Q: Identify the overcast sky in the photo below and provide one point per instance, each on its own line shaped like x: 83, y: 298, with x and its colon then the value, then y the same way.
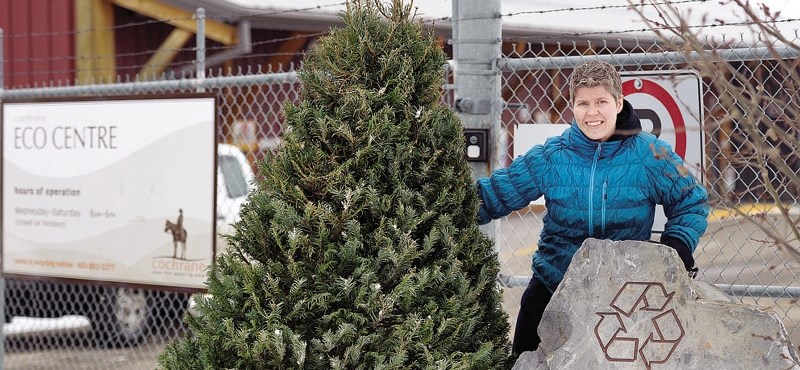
x: 551, y: 16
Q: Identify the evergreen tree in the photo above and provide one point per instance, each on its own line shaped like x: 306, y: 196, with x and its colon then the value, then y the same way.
x: 359, y: 249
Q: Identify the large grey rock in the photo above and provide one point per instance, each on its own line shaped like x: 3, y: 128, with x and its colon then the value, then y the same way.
x: 631, y: 305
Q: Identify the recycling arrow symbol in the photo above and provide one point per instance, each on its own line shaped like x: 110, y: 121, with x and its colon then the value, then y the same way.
x: 640, y: 326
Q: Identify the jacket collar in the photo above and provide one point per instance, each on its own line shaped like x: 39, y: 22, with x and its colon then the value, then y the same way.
x: 628, y: 124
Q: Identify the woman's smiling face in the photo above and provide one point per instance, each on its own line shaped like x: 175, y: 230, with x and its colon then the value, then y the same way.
x: 596, y: 111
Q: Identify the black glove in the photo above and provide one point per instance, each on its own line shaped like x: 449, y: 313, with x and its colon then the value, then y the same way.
x: 684, y: 253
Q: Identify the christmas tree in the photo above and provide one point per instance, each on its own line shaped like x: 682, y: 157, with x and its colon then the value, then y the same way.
x: 359, y: 248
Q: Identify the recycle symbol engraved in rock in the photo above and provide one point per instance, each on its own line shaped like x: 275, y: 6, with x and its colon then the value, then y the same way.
x: 640, y: 326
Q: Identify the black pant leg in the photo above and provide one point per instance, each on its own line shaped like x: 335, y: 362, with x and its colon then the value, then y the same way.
x: 532, y: 305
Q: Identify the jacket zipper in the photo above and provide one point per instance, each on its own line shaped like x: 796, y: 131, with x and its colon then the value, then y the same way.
x: 591, y: 189
x: 603, y: 219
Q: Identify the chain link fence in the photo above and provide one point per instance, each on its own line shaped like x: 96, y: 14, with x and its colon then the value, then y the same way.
x: 747, y: 250
x: 78, y: 325
x: 81, y: 325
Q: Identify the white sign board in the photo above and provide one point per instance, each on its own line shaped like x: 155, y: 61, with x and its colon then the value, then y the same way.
x: 529, y: 135
x: 110, y: 190
x: 669, y: 104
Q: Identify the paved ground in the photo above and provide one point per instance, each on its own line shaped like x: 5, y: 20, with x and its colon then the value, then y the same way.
x: 25, y: 338
x: 732, y: 252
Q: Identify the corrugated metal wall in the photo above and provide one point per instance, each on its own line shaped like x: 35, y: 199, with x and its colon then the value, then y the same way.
x: 39, y: 38
x: 39, y: 41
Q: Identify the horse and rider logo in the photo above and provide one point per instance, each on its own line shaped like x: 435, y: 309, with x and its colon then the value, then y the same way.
x: 178, y: 235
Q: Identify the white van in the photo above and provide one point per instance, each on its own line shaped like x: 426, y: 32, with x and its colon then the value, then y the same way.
x: 234, y: 181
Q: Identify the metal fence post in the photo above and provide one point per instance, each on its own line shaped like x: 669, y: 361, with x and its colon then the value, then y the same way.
x: 201, y: 47
x: 477, y: 42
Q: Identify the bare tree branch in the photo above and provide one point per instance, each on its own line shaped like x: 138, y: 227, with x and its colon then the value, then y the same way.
x: 760, y: 113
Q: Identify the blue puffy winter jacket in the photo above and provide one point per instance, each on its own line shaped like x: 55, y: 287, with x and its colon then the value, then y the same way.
x: 603, y: 190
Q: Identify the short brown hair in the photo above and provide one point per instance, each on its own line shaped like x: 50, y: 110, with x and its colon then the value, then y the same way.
x: 595, y: 73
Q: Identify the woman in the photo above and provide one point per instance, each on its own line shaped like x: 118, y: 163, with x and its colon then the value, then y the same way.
x: 602, y: 178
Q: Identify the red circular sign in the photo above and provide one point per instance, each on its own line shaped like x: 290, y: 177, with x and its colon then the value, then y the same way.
x: 663, y: 96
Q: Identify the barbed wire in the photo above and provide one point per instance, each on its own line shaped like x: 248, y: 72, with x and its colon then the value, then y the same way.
x: 94, y: 57
x: 604, y: 7
x: 270, y: 54
x: 289, y: 38
x: 561, y: 10
x: 175, y: 65
x: 105, y: 29
x: 615, y: 32
x: 127, y: 77
x: 446, y: 18
x: 170, y: 69
x: 286, y: 11
x: 667, y: 27
x: 166, y: 21
x: 341, y: 3
x: 153, y: 52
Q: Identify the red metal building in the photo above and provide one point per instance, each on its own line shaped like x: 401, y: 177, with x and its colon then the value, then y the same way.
x: 38, y: 42
x: 90, y: 41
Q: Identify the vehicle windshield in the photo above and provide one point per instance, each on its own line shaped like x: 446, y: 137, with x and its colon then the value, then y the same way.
x: 233, y: 176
